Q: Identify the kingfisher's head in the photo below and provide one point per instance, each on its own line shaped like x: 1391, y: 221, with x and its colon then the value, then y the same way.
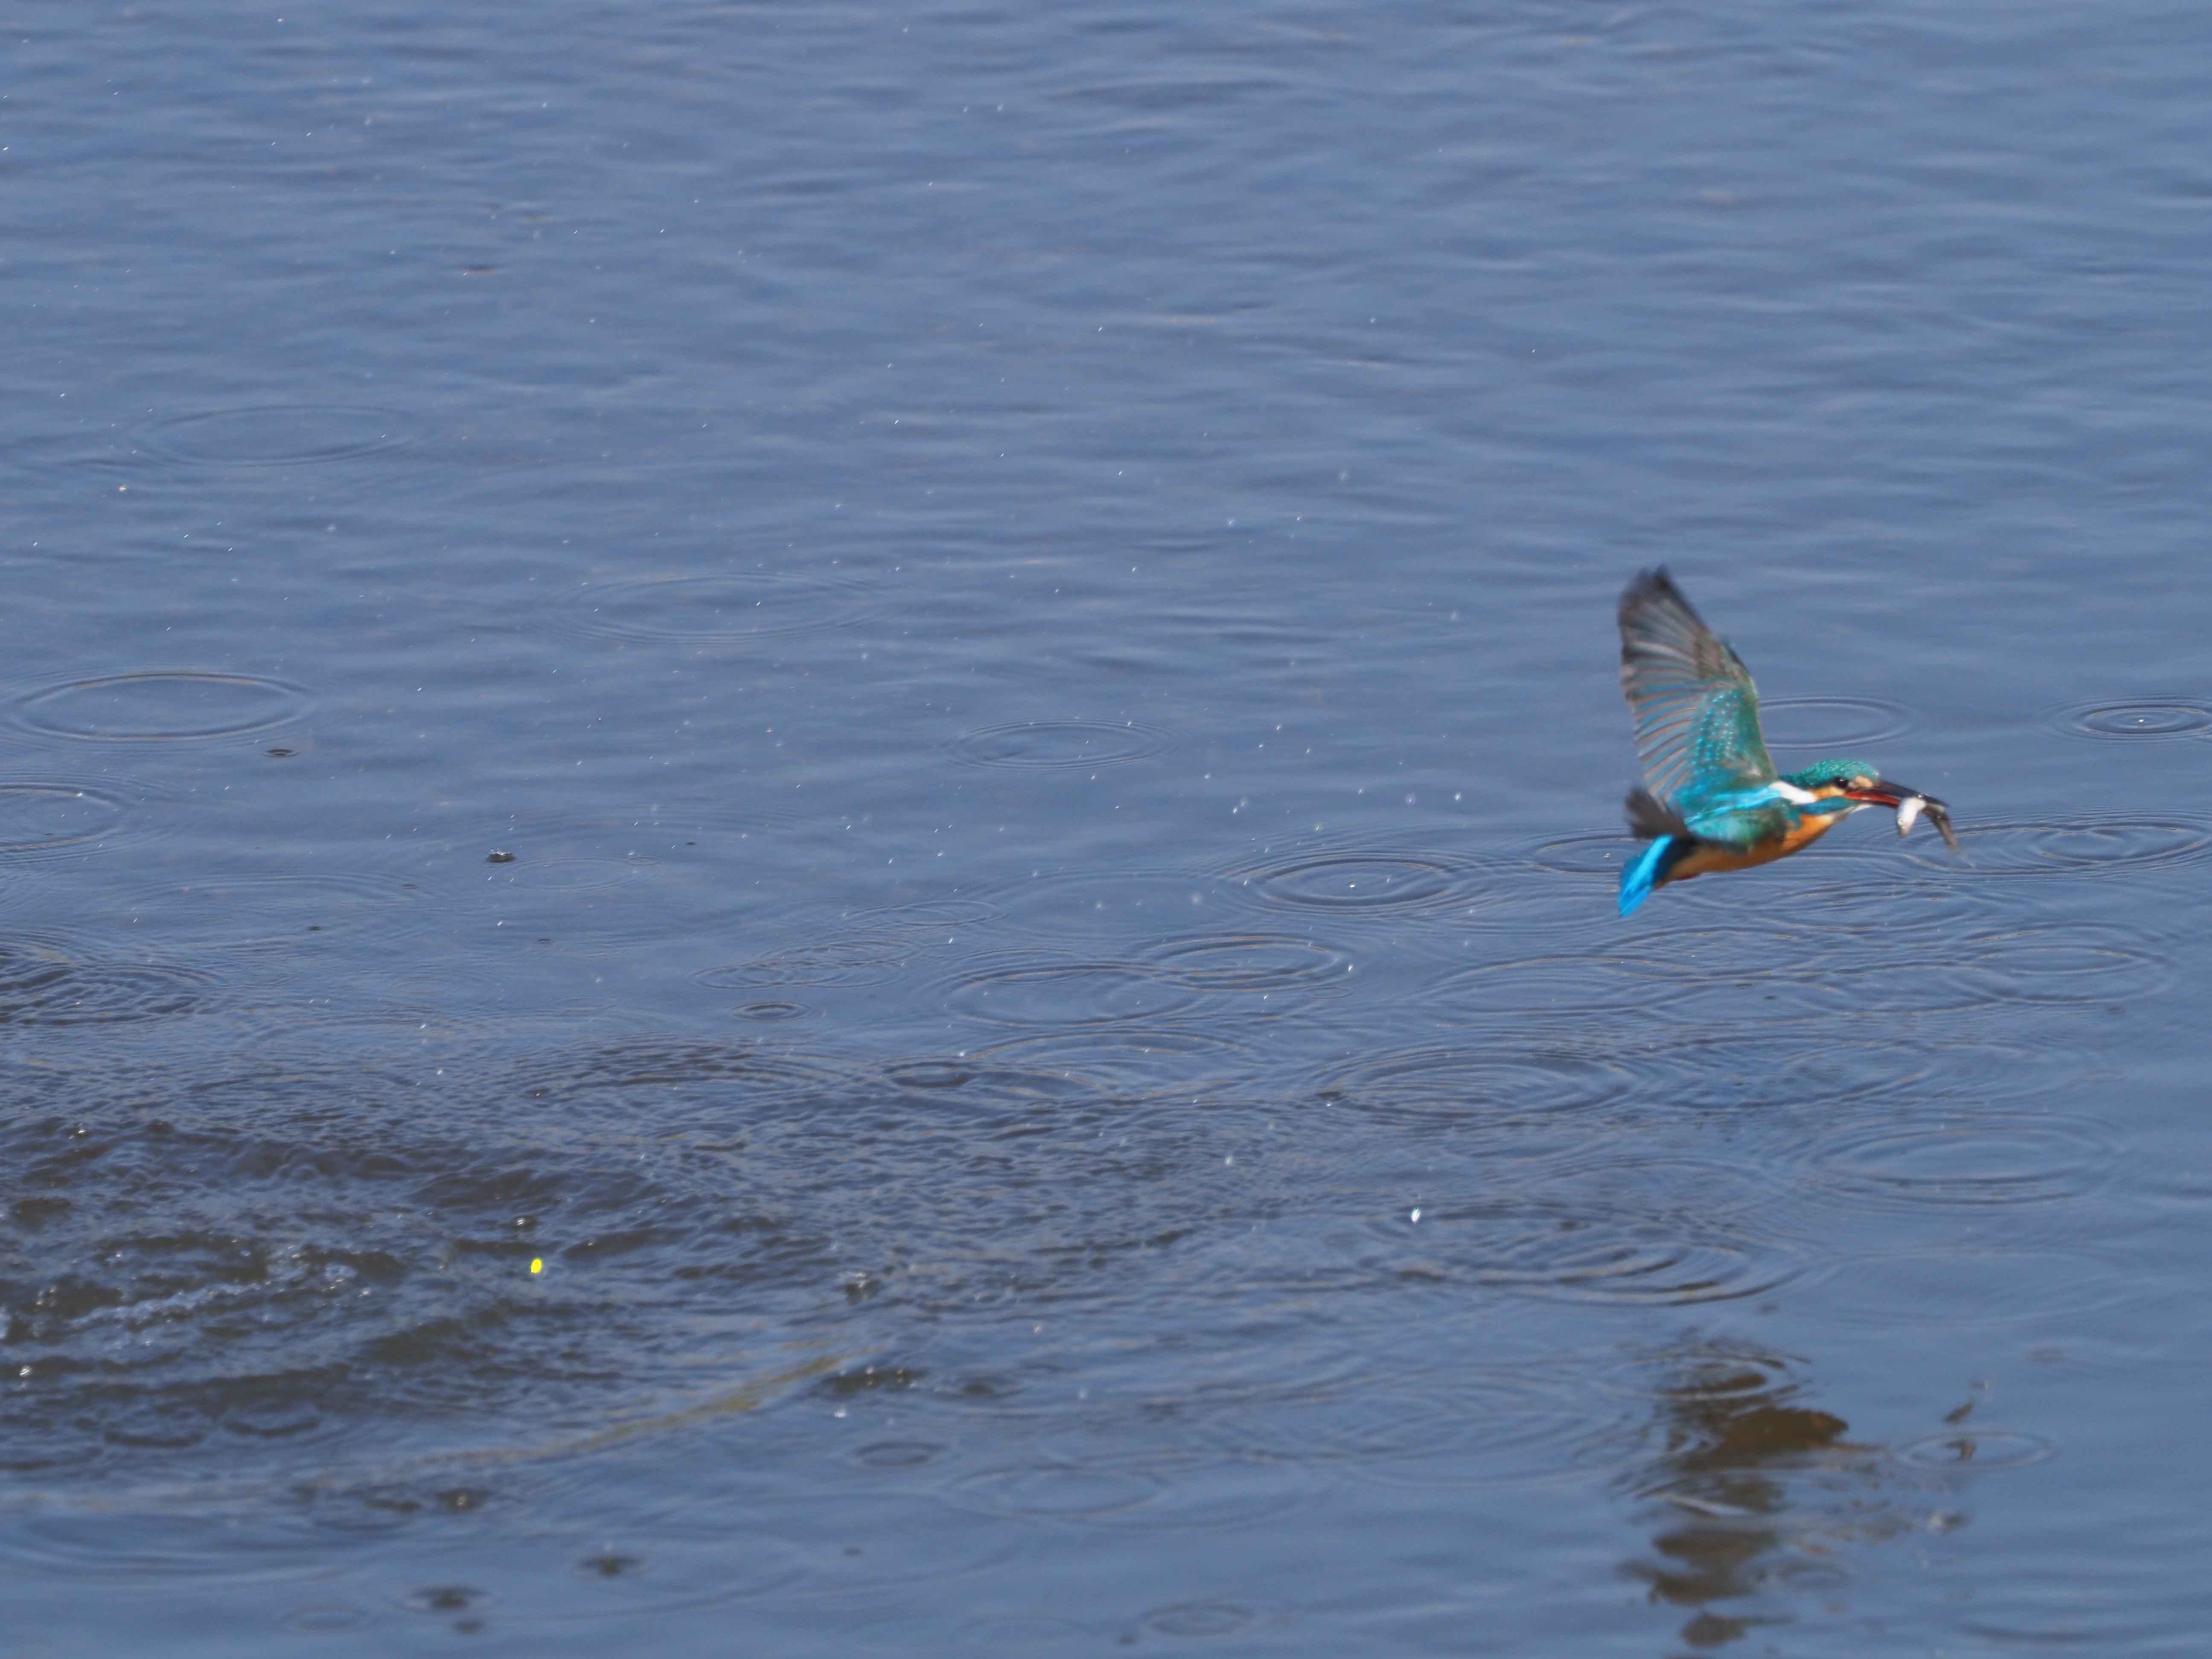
x: 1860, y: 784
x: 1854, y: 780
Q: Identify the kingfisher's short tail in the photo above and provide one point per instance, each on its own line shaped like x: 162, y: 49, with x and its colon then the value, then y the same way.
x: 1671, y: 842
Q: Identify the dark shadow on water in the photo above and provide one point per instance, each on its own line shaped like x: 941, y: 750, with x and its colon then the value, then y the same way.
x: 1759, y: 1499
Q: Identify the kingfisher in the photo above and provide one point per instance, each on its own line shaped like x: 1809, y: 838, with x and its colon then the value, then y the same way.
x: 1716, y: 801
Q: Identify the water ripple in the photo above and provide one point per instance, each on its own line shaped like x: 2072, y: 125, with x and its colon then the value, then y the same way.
x: 1661, y: 1231
x: 1586, y: 855
x: 1462, y: 1429
x: 1768, y: 1071
x: 770, y: 1011
x: 162, y: 1543
x: 1649, y: 1265
x: 2078, y: 847
x: 889, y: 939
x: 160, y: 707
x: 1750, y: 975
x: 1563, y: 986
x: 1837, y: 724
x: 1250, y: 962
x: 256, y: 912
x: 981, y: 1085
x: 1614, y: 1260
x: 1479, y: 1085
x: 1523, y: 900
x: 1980, y: 1449
x: 1781, y: 995
x: 56, y: 982
x: 1036, y: 991
x: 1966, y: 1287
x: 1897, y: 911
x: 281, y: 434
x: 2152, y: 720
x: 1126, y: 1059
x: 752, y: 1070
x: 2062, y: 963
x: 1355, y: 882
x: 1907, y: 1159
x: 43, y: 816
x: 1053, y: 744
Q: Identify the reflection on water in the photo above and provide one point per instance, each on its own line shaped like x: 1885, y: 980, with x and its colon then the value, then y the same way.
x: 1759, y: 1501
x: 1163, y: 1231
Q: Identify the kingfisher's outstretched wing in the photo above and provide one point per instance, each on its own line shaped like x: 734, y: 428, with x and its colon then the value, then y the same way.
x: 1697, y: 712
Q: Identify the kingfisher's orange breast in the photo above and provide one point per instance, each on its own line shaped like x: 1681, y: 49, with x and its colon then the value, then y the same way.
x: 1704, y: 859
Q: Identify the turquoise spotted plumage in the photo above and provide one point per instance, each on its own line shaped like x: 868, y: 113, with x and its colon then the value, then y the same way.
x: 1715, y: 800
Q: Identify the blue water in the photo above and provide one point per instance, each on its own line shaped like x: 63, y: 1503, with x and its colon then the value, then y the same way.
x: 807, y: 819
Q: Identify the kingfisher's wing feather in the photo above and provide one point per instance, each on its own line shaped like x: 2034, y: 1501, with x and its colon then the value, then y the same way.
x: 1741, y: 828
x: 1696, y: 709
x: 1738, y: 823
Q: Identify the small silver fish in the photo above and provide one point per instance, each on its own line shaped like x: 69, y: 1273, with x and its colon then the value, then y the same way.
x: 1910, y: 809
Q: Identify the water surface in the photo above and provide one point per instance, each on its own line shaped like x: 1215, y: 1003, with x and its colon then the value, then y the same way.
x: 807, y: 820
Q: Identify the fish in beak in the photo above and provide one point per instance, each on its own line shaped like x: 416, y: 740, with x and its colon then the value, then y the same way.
x: 1909, y: 806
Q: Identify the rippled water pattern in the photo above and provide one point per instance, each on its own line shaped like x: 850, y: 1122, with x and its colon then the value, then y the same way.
x: 810, y: 814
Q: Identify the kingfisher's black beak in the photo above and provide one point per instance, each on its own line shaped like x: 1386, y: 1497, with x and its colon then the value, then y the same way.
x: 1908, y: 803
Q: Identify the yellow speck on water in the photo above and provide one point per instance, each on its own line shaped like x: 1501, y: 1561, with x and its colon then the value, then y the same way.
x: 537, y: 1264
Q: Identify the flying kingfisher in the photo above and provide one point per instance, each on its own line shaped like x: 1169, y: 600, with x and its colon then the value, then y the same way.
x: 1716, y: 801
